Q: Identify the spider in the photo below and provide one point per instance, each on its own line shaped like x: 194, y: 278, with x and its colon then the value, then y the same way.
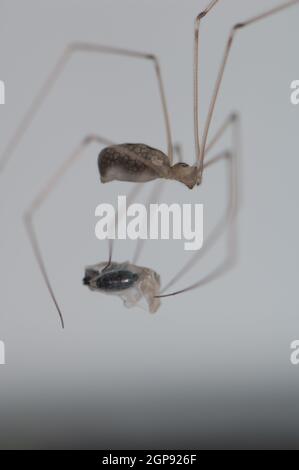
x: 137, y: 162
x: 127, y: 280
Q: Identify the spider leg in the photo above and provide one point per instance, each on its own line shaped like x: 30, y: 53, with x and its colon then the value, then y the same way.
x: 231, y: 118
x: 39, y: 200
x: 53, y: 76
x: 231, y: 37
x: 196, y: 76
x: 228, y: 220
x: 131, y: 197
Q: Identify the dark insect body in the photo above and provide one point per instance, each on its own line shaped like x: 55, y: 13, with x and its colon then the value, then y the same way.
x: 132, y: 283
x: 114, y: 280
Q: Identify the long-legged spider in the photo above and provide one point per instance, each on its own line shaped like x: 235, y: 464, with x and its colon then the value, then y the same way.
x: 139, y: 162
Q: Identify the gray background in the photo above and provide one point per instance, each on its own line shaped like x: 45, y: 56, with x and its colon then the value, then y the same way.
x: 211, y: 368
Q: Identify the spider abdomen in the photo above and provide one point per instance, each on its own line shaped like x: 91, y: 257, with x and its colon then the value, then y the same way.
x: 132, y: 162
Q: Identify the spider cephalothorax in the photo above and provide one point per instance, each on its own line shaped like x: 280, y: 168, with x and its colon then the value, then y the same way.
x: 141, y: 163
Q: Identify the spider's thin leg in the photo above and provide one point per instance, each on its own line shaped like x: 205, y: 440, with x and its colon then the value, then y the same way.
x: 231, y: 37
x: 209, y: 243
x: 231, y: 118
x: 227, y: 220
x: 110, y: 253
x: 41, y: 197
x: 53, y: 76
x: 198, y: 19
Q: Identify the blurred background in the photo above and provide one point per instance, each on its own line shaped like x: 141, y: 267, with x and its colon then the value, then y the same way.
x: 212, y: 368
